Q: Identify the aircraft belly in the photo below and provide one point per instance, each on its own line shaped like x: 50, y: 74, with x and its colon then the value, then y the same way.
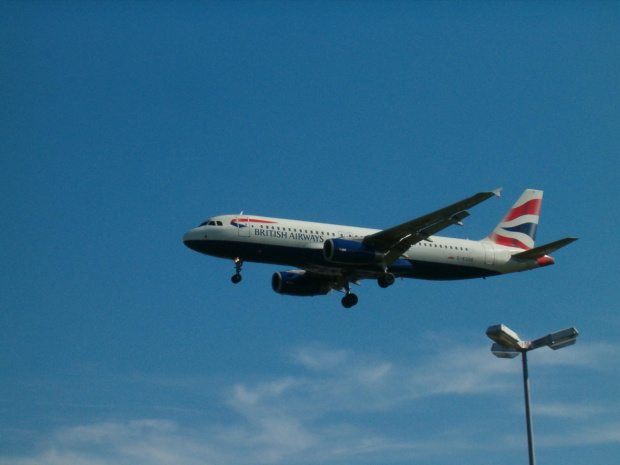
x: 436, y: 271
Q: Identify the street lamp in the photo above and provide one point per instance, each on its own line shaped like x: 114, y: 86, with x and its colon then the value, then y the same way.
x: 508, y: 345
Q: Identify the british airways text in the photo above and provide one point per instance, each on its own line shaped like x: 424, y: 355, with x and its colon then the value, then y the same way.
x: 287, y: 235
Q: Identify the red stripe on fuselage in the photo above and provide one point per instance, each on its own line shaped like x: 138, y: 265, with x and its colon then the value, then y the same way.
x: 528, y: 208
x: 251, y: 220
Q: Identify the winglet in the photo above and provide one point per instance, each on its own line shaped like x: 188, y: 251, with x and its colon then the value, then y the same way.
x: 497, y: 192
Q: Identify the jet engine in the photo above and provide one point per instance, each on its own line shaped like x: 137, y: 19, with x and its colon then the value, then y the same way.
x: 350, y: 252
x: 298, y: 283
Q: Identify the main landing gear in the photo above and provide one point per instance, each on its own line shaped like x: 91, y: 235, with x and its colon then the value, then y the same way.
x: 237, y: 276
x: 386, y: 280
x: 349, y: 300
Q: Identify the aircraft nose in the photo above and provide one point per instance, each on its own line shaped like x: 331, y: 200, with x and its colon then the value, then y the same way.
x: 192, y: 239
x: 187, y: 237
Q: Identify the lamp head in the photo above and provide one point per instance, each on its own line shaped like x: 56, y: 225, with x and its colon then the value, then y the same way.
x: 504, y: 336
x: 563, y: 338
x: 504, y: 352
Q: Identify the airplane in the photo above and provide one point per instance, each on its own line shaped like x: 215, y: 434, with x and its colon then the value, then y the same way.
x: 331, y: 257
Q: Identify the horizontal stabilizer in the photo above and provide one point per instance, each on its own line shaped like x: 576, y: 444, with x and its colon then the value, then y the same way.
x: 543, y: 250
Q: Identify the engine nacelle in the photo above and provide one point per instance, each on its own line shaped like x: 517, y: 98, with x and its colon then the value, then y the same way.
x: 298, y: 283
x: 350, y: 252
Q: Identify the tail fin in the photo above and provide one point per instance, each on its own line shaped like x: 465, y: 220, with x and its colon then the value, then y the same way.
x: 518, y: 228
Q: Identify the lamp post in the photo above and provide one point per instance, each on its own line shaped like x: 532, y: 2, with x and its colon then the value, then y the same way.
x: 508, y: 345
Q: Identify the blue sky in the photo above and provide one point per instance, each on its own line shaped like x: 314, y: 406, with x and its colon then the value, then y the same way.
x: 124, y: 124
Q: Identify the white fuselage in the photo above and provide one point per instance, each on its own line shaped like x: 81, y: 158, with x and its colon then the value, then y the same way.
x: 300, y: 244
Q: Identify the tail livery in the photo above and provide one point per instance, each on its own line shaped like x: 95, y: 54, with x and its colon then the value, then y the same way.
x: 518, y: 228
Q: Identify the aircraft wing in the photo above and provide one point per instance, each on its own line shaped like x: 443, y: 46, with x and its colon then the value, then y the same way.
x: 393, y: 242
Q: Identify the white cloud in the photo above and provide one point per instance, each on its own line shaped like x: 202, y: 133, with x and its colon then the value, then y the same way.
x: 573, y: 411
x: 317, y: 358
x: 596, y: 356
x: 588, y: 435
x: 132, y: 442
x: 324, y: 413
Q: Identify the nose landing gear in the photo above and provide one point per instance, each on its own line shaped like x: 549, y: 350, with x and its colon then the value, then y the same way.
x: 237, y: 276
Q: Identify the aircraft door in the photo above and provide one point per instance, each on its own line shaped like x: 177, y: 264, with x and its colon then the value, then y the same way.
x: 243, y: 226
x: 489, y: 254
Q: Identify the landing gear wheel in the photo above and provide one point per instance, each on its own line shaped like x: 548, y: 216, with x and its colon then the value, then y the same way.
x: 386, y: 280
x: 349, y: 300
x: 236, y: 278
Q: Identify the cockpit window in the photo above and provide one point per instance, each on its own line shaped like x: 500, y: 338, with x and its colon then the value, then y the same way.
x: 211, y: 223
